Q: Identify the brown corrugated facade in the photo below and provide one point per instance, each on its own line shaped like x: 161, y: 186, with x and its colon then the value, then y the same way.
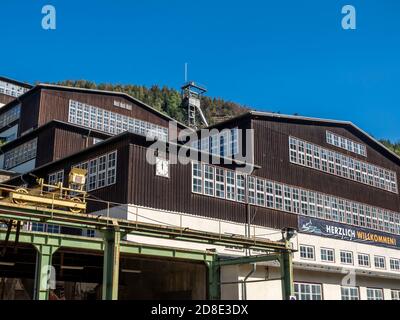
x: 44, y: 114
x: 138, y: 184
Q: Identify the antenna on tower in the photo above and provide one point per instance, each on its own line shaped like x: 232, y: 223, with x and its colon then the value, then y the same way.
x: 186, y: 71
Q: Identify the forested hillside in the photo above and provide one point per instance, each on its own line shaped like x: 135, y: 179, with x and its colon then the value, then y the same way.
x: 168, y: 101
x: 394, y: 146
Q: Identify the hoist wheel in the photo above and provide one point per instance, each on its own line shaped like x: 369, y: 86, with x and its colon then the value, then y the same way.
x: 22, y: 191
x: 75, y: 210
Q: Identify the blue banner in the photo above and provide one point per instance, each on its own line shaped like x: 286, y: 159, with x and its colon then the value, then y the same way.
x: 346, y: 232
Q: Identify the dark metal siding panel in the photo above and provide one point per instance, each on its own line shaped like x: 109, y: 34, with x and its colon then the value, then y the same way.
x: 116, y: 192
x: 175, y: 194
x: 45, y: 147
x: 29, y: 112
x: 55, y: 106
x: 4, y: 99
x: 272, y: 153
x: 67, y: 142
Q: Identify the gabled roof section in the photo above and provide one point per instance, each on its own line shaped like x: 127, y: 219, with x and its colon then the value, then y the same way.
x: 96, y: 91
x: 16, y: 82
x: 310, y: 120
x: 113, y: 93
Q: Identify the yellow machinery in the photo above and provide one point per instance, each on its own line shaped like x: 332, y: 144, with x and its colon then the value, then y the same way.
x: 53, y: 197
x: 72, y: 198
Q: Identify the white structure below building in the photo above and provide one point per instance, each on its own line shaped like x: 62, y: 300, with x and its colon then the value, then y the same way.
x: 324, y: 268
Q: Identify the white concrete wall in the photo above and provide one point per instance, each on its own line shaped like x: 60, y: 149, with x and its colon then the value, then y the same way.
x: 330, y: 275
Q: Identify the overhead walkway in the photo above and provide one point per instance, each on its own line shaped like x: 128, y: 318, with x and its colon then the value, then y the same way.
x: 111, y: 243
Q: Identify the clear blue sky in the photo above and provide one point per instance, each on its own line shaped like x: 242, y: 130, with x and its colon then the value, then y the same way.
x: 287, y: 56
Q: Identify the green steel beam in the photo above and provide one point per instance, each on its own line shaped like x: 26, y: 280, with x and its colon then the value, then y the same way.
x: 213, y: 279
x: 166, y: 252
x: 112, y: 240
x: 97, y: 244
x: 31, y: 213
x: 287, y: 275
x: 248, y: 259
x: 44, y: 276
x: 58, y: 240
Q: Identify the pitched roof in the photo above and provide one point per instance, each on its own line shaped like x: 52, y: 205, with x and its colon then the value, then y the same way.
x: 271, y: 115
x: 16, y: 82
x: 113, y: 93
x: 104, y: 92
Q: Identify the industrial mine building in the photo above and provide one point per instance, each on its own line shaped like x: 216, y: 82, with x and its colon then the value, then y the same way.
x: 315, y: 218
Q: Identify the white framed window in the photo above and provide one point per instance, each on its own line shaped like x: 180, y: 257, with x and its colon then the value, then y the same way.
x: 296, y: 200
x: 230, y: 185
x: 219, y: 182
x: 287, y: 191
x: 214, y: 144
x: 363, y: 260
x: 223, y: 144
x: 111, y: 168
x: 43, y: 227
x: 208, y: 180
x: 304, y: 202
x: 395, y: 294
x: 374, y: 294
x: 90, y: 233
x: 251, y: 189
x: 346, y: 257
x: 345, y: 143
x: 51, y: 228
x: 260, y: 195
x: 56, y: 177
x: 380, y: 262
x: 20, y: 154
x: 234, y: 141
x: 313, y: 156
x: 197, y: 178
x: 92, y: 174
x: 101, y: 171
x: 11, y: 89
x: 111, y: 122
x: 266, y: 193
x: 38, y: 227
x: 327, y: 255
x: 307, y: 291
x: 241, y: 187
x: 269, y: 188
x: 307, y: 252
x: 10, y: 116
x: 350, y: 293
x: 278, y: 196
x: 293, y: 149
x: 394, y: 264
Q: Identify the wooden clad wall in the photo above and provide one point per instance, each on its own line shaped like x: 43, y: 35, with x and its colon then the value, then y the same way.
x: 116, y: 192
x: 67, y: 142
x: 175, y: 194
x: 29, y: 112
x: 4, y: 99
x: 272, y: 153
x: 54, y: 105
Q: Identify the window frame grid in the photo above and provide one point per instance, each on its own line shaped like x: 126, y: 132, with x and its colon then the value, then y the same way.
x: 333, y: 162
x: 327, y: 207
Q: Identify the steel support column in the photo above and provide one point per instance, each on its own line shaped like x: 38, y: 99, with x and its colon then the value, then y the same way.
x: 287, y: 275
x: 213, y: 277
x: 44, y: 274
x: 112, y: 240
